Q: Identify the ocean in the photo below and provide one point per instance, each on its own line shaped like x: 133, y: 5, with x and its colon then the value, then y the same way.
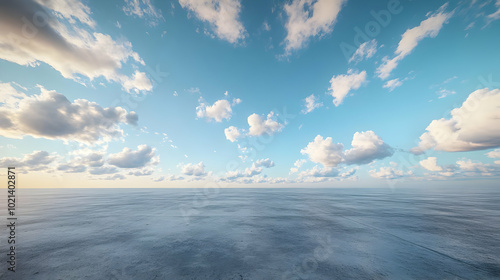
x: 387, y: 233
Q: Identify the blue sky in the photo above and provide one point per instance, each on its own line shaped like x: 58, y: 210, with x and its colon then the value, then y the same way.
x: 250, y: 93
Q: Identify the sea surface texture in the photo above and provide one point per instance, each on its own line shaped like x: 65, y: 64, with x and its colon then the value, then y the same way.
x: 391, y: 233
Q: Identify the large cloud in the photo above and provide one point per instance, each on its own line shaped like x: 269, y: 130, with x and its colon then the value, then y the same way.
x: 473, y: 126
x: 37, y: 160
x: 308, y: 18
x: 51, y: 115
x: 222, y: 15
x: 366, y: 147
x: 429, y: 27
x: 324, y: 151
x: 56, y: 33
x: 341, y: 85
x: 127, y: 158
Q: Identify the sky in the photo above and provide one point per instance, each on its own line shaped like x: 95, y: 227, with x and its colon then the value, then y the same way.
x: 233, y: 93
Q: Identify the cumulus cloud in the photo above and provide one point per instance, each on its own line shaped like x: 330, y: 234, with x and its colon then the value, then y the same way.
x: 366, y: 147
x: 429, y: 27
x: 51, y: 115
x: 471, y: 168
x: 319, y: 172
x: 473, y: 126
x: 341, y: 85
x: 143, y: 9
x: 387, y: 173
x: 364, y: 51
x: 222, y: 15
x: 256, y: 169
x: 37, y: 160
x: 57, y: 33
x: 324, y: 151
x: 260, y: 125
x: 220, y: 110
x: 309, y: 18
x: 232, y: 133
x: 297, y: 165
x: 197, y: 170
x: 311, y: 103
x: 430, y: 164
x: 142, y: 172
x: 81, y: 159
x: 127, y: 158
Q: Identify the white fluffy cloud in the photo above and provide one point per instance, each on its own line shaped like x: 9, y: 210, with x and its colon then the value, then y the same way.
x: 311, y: 103
x: 364, y: 51
x: 341, y: 85
x: 319, y: 172
x: 260, y: 125
x: 387, y: 173
x: 51, y: 115
x: 57, y: 33
x: 429, y: 27
x: 197, y: 170
x: 256, y: 169
x: 430, y: 164
x: 308, y: 18
x: 473, y: 126
x: 471, y: 168
x: 298, y: 164
x: 222, y: 15
x: 143, y: 9
x: 127, y: 158
x: 324, y: 151
x: 220, y: 110
x: 366, y: 147
x: 232, y: 133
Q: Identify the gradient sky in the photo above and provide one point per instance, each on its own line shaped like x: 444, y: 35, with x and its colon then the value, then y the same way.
x: 250, y: 93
